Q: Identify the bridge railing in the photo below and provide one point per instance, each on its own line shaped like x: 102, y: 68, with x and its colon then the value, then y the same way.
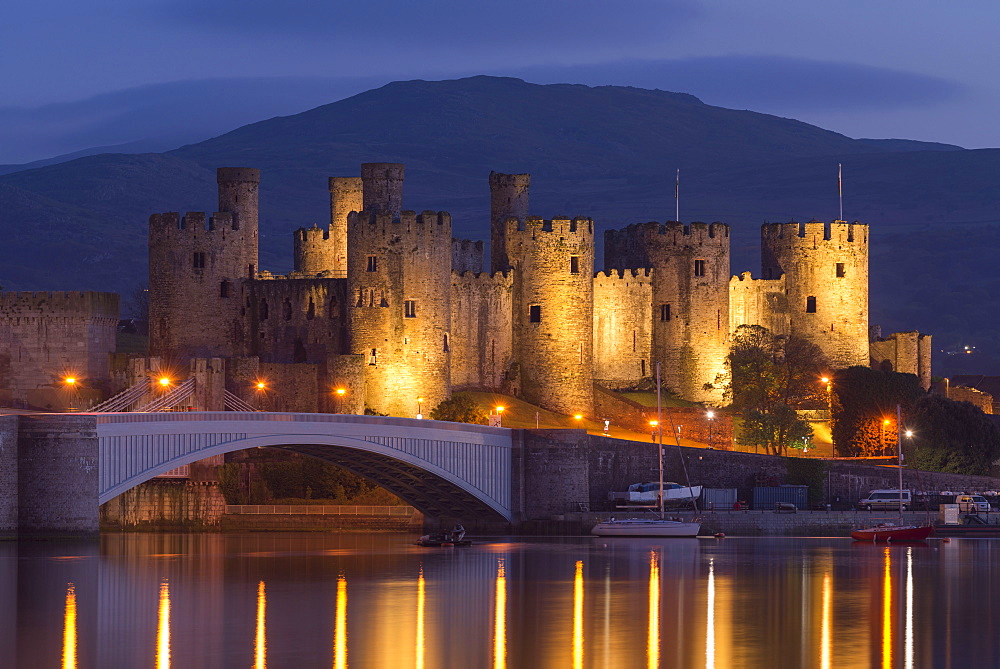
x: 319, y: 510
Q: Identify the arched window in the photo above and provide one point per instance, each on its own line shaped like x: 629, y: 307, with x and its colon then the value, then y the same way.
x: 311, y: 311
x: 262, y: 312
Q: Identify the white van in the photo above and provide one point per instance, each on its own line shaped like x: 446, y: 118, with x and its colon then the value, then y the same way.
x: 972, y: 503
x: 886, y: 499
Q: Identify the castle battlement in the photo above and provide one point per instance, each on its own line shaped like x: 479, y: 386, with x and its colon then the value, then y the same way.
x: 469, y: 278
x: 838, y: 231
x: 378, y: 223
x: 172, y: 223
x: 615, y: 275
x: 311, y: 235
x: 578, y: 228
x: 72, y: 304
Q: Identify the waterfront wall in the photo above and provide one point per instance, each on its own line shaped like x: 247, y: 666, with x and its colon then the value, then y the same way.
x: 567, y: 471
x: 8, y: 475
x: 165, y: 504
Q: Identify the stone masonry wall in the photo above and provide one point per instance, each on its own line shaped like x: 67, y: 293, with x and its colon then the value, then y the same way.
x: 298, y: 320
x: 45, y: 337
x: 466, y: 256
x: 57, y: 473
x: 905, y: 352
x: 161, y: 503
x: 622, y: 326
x: 826, y: 277
x: 758, y: 302
x: 481, y: 350
x: 8, y: 474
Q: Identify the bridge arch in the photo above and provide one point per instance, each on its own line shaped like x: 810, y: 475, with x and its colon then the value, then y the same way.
x: 442, y: 469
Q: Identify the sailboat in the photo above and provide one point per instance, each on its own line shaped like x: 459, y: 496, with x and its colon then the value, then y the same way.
x: 652, y: 527
x: 893, y: 531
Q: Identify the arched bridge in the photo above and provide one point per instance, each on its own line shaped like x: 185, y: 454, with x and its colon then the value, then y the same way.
x: 443, y: 469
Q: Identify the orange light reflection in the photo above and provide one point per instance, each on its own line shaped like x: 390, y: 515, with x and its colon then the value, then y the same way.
x: 163, y: 628
x: 578, y: 617
x: 340, y: 631
x: 710, y: 618
x: 908, y: 641
x: 69, y: 629
x: 826, y: 625
x: 887, y: 613
x: 500, y: 620
x: 421, y: 595
x: 260, y: 641
x: 653, y: 632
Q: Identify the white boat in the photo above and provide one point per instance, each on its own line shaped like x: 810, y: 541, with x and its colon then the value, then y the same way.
x: 673, y: 493
x: 646, y: 527
x: 655, y: 527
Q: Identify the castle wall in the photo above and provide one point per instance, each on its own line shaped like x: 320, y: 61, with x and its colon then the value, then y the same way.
x: 826, y: 280
x: 905, y: 352
x: 690, y: 298
x: 758, y: 302
x: 324, y: 252
x: 291, y: 387
x: 466, y: 256
x: 623, y: 320
x: 46, y: 337
x: 399, y: 287
x: 347, y: 373
x: 481, y: 316
x: 298, y: 320
x: 382, y: 187
x: 553, y: 307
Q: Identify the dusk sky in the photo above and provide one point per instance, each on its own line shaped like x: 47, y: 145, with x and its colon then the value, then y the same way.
x: 107, y: 72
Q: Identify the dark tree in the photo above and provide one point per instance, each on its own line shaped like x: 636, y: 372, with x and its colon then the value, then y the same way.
x: 460, y: 409
x: 864, y: 399
x: 769, y: 378
x: 951, y: 436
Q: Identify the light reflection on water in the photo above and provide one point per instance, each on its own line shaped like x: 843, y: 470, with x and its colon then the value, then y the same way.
x: 247, y: 600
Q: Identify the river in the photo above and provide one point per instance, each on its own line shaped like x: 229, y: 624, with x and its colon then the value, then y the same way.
x: 375, y: 600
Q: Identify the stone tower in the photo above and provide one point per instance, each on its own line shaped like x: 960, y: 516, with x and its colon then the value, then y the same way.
x: 399, y: 289
x: 826, y: 277
x: 196, y: 272
x: 508, y: 198
x: 553, y: 305
x: 690, y: 280
x: 317, y: 250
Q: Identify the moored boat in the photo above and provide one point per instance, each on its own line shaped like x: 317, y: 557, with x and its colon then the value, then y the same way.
x: 891, y: 532
x: 646, y: 527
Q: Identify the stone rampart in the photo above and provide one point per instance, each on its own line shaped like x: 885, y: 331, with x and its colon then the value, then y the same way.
x: 481, y: 351
x: 623, y: 321
x: 466, y: 256
x: 298, y: 320
x: 759, y: 302
x: 163, y: 504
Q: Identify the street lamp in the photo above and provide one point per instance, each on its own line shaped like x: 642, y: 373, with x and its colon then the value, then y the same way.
x: 260, y: 388
x: 71, y: 386
x: 420, y: 414
x: 339, y: 393
x: 500, y: 415
x: 711, y: 425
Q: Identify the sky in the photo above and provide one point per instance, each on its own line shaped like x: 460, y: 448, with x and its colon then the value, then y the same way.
x: 155, y: 73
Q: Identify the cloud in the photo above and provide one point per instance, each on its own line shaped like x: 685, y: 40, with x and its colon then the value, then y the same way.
x: 436, y: 25
x: 762, y: 82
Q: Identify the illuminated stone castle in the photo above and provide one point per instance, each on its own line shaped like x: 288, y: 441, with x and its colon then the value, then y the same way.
x: 386, y: 305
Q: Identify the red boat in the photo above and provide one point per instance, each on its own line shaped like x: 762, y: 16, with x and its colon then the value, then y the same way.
x: 890, y: 532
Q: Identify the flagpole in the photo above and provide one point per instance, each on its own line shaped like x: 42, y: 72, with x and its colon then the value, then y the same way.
x: 840, y: 189
x: 677, y: 197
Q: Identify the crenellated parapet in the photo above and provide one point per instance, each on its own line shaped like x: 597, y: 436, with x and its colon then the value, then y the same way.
x: 466, y: 255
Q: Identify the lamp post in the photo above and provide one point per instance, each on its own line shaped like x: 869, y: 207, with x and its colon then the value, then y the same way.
x: 71, y: 386
x: 711, y: 425
x: 261, y: 389
x: 828, y: 382
x: 420, y: 402
x: 339, y: 394
x: 499, y: 410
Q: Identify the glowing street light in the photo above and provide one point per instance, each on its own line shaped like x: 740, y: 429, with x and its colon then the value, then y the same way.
x: 499, y: 410
x: 70, y: 381
x: 420, y: 414
x: 711, y: 428
x: 164, y: 381
x: 261, y: 386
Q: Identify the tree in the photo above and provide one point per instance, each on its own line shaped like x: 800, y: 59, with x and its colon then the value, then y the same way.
x: 460, y: 409
x: 863, y: 400
x: 952, y: 437
x: 768, y: 378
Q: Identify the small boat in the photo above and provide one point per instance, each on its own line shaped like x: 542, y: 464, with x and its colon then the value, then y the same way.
x: 646, y: 527
x: 440, y: 540
x: 892, y: 532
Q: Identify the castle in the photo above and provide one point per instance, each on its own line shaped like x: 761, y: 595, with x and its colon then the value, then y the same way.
x: 386, y: 306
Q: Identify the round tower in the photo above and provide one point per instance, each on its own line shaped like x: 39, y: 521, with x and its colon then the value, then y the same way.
x: 238, y: 191
x: 316, y: 250
x: 382, y: 187
x: 553, y: 306
x: 198, y: 273
x: 690, y: 304
x: 399, y: 306
x: 826, y: 278
x: 508, y: 198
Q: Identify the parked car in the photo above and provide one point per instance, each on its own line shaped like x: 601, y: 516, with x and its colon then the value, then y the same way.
x: 886, y: 499
x: 972, y: 503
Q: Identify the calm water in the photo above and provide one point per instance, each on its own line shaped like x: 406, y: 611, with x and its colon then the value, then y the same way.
x: 363, y: 600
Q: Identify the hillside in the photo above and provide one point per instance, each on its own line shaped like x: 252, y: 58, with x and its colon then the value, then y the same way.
x: 609, y: 152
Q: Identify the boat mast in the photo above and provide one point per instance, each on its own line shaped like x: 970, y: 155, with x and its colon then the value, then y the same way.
x: 899, y: 456
x: 659, y: 437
